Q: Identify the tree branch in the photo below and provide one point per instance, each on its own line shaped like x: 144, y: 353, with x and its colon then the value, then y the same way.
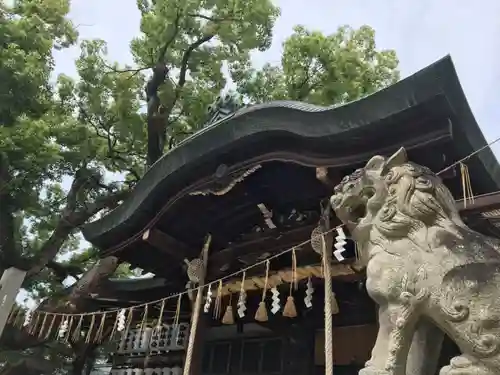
x: 71, y: 220
x: 182, y: 79
x: 169, y: 41
x: 158, y: 114
x: 183, y: 70
x: 62, y: 271
x: 156, y: 123
x: 104, y: 131
x: 127, y: 70
x: 184, y: 62
x: 91, y: 280
x: 81, y: 178
x: 213, y: 19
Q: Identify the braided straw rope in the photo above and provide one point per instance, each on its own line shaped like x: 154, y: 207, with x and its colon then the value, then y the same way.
x: 195, y: 317
x: 328, y: 305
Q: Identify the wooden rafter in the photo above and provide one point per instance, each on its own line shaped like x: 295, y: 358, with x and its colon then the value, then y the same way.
x: 482, y: 203
x: 167, y: 244
x: 273, y: 242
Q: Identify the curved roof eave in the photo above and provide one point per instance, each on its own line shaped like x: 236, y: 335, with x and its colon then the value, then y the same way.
x: 439, y: 78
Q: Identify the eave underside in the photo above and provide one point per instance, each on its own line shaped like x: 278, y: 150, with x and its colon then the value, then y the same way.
x: 483, y: 215
x: 240, y: 234
x: 214, y: 182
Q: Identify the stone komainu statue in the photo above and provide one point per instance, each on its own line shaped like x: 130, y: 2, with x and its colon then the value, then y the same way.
x: 428, y: 272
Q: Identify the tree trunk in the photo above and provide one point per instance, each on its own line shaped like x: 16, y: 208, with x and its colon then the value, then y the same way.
x: 84, y: 358
x: 91, y: 280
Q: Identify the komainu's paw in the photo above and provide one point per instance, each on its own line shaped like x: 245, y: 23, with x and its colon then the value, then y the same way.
x: 465, y: 366
x: 373, y: 371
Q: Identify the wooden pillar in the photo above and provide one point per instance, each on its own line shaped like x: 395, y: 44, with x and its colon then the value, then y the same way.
x: 10, y: 283
x: 196, y: 319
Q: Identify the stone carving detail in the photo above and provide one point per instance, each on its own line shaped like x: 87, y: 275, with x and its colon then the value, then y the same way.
x: 428, y: 272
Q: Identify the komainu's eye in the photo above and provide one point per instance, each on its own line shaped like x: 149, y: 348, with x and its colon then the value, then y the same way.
x: 423, y: 183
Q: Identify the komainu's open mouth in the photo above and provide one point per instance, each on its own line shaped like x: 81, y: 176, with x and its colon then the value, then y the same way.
x: 356, y: 213
x: 358, y: 208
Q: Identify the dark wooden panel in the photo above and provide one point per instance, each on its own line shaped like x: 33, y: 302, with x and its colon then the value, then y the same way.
x: 351, y: 345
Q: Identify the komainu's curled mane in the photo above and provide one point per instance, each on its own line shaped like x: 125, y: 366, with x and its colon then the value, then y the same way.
x: 425, y: 268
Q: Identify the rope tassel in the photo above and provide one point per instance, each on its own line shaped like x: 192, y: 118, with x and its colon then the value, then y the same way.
x: 218, y: 301
x: 228, y: 317
x: 100, y: 330
x: 35, y: 325
x: 51, y: 327
x: 42, y: 328
x: 77, y: 331
x: 261, y: 313
x: 91, y: 328
x: 63, y: 323
x: 290, y: 310
x: 466, y: 184
x: 144, y: 319
x: 73, y: 327
x: 67, y: 331
x: 14, y: 314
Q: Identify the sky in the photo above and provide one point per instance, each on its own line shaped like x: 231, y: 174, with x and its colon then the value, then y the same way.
x: 421, y: 32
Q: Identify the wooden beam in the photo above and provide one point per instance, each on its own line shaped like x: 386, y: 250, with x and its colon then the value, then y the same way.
x: 167, y: 244
x: 273, y: 242
x: 482, y: 203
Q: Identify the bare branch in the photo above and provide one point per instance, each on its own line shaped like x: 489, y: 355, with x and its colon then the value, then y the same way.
x: 169, y: 41
x: 112, y: 69
x: 213, y: 19
x: 103, y: 131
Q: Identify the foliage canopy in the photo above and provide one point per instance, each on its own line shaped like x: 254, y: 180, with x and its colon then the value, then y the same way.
x: 72, y: 148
